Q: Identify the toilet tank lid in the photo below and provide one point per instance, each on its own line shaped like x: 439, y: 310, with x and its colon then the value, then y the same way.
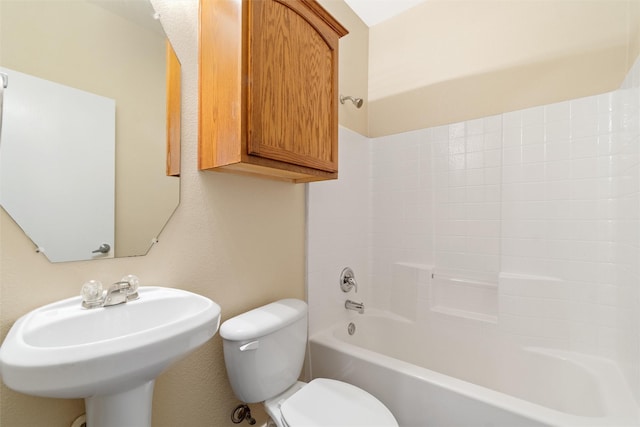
x: 263, y: 320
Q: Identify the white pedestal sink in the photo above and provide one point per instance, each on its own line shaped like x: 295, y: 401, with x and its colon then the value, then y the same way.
x: 109, y: 356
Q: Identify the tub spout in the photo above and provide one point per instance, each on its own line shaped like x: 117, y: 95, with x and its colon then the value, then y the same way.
x: 356, y: 306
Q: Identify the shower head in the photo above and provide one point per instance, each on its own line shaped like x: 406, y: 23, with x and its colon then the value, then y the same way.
x: 356, y: 101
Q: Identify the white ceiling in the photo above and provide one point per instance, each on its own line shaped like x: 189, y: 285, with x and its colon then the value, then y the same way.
x: 373, y: 12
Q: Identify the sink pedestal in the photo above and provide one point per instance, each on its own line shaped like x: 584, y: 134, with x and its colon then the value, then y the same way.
x: 128, y: 408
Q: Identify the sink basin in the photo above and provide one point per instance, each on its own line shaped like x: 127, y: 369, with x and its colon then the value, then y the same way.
x: 110, y: 356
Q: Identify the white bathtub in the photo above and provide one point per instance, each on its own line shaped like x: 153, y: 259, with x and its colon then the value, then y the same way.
x: 430, y: 379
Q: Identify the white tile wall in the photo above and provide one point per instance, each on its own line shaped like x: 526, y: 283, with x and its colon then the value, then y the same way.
x: 402, y: 214
x: 543, y: 202
x: 465, y: 169
x: 338, y: 233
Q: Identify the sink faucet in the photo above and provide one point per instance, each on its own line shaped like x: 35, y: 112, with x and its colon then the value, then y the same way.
x: 120, y: 292
x: 356, y: 306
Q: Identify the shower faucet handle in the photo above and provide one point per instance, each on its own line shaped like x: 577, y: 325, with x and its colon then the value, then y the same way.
x: 348, y: 280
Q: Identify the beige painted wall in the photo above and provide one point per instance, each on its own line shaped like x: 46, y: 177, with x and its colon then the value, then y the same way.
x: 354, y: 65
x: 447, y: 61
x: 237, y: 240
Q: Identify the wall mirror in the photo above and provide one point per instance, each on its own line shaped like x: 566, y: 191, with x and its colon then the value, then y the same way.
x: 89, y: 145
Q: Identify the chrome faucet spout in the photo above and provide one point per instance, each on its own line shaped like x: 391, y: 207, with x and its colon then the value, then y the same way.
x: 120, y: 292
x: 355, y: 306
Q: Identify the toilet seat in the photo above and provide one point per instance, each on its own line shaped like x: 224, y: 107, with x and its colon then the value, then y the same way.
x: 325, y: 402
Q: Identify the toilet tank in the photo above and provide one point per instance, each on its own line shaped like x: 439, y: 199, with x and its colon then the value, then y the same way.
x: 264, y: 349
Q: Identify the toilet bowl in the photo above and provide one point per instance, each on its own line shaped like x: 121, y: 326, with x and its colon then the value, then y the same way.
x: 264, y: 352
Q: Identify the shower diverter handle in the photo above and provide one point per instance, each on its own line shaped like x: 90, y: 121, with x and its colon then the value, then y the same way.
x: 348, y: 280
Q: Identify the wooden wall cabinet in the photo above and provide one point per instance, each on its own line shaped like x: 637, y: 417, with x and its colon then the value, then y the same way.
x: 268, y: 101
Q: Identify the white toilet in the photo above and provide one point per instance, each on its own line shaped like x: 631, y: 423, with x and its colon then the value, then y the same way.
x: 264, y: 351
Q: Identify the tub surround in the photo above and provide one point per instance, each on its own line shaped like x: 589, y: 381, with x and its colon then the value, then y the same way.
x: 529, y: 220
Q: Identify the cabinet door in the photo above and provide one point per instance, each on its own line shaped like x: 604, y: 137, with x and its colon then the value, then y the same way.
x: 292, y: 82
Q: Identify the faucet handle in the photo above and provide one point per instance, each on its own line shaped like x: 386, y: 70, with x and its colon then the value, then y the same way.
x: 348, y: 280
x: 134, y: 283
x: 92, y: 294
